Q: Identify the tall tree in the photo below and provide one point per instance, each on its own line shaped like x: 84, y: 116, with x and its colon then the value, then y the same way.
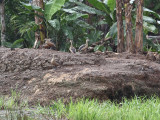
x: 129, y: 34
x: 39, y: 36
x: 139, y: 27
x: 3, y: 28
x: 120, y: 32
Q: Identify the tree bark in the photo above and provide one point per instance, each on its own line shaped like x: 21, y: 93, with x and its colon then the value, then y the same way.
x: 129, y: 34
x: 39, y: 35
x: 139, y: 27
x: 3, y: 25
x: 120, y: 32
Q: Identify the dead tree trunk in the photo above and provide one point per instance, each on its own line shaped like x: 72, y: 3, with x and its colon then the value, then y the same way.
x: 39, y: 35
x: 139, y: 27
x: 120, y: 32
x: 3, y: 25
x: 129, y: 34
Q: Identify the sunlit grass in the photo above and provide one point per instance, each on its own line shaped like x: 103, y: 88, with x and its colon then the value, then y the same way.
x: 135, y: 109
x: 138, y: 108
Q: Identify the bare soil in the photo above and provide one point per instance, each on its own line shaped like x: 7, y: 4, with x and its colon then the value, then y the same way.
x: 92, y: 75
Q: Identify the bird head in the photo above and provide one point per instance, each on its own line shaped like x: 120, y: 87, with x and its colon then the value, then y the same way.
x: 47, y: 40
x: 87, y: 40
x: 68, y: 40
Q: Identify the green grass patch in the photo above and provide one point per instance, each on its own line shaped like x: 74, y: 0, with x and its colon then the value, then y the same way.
x: 12, y: 102
x: 138, y: 108
x: 135, y: 109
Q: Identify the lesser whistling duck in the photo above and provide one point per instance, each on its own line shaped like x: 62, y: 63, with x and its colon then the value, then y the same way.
x: 84, y: 47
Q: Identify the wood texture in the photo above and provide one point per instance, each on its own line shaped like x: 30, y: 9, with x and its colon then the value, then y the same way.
x: 39, y: 35
x: 120, y: 30
x: 3, y: 24
x: 139, y: 27
x: 129, y: 34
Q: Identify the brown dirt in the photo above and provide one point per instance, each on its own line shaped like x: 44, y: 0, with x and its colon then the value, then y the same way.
x: 102, y: 76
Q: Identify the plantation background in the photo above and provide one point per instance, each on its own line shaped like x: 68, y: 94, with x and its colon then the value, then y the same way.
x: 76, y: 20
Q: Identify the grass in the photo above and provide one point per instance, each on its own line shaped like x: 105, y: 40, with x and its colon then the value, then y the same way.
x: 12, y: 102
x: 138, y: 108
x: 135, y: 109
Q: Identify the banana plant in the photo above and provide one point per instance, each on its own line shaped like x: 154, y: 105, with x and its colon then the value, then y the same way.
x: 62, y: 20
x: 51, y: 7
x: 150, y: 22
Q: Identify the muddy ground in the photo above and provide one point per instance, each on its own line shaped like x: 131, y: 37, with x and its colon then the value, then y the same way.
x: 92, y: 75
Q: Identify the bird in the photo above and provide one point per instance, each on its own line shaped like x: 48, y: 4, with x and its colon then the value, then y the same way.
x: 71, y: 48
x: 84, y: 47
x: 48, y: 44
x: 55, y: 61
x: 12, y: 48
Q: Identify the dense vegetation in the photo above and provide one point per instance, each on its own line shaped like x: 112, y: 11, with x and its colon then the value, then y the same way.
x: 76, y: 20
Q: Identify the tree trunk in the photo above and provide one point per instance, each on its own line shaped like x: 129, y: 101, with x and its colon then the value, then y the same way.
x: 129, y: 34
x: 120, y: 32
x: 39, y: 35
x: 3, y: 25
x: 139, y: 27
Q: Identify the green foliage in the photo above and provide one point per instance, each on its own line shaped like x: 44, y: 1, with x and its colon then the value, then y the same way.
x: 112, y: 31
x: 52, y: 7
x: 70, y: 23
x: 15, y: 44
x: 85, y: 8
x: 150, y: 24
x: 31, y: 7
x: 137, y: 108
x: 149, y: 19
x: 111, y: 4
x: 100, y: 6
x: 2, y: 101
x: 150, y: 46
x: 72, y: 19
x: 105, y: 7
x: 12, y: 102
x: 95, y: 35
x: 149, y: 28
x: 19, y: 24
x: 100, y: 48
x: 154, y: 5
x: 148, y: 12
x: 55, y: 24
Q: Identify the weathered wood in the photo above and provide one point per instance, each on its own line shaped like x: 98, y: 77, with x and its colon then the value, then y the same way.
x: 120, y: 32
x: 153, y: 37
x: 139, y: 27
x: 3, y: 24
x: 101, y: 42
x: 129, y: 34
